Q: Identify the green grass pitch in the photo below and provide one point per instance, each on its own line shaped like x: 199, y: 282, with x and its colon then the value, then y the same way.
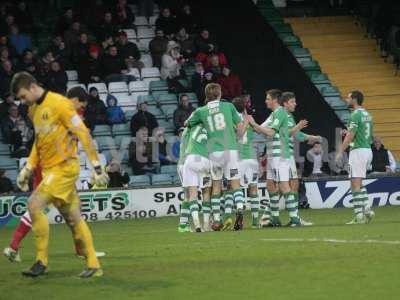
x: 149, y: 259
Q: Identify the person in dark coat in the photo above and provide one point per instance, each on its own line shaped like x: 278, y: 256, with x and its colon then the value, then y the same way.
x: 143, y: 119
x: 96, y: 111
x: 6, y: 185
x: 57, y: 78
x: 382, y: 159
x: 117, y: 179
x: 6, y: 74
x: 183, y: 112
x: 90, y: 70
x: 157, y: 47
x: 167, y: 22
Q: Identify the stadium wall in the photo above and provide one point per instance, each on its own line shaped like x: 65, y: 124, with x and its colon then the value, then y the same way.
x: 123, y: 204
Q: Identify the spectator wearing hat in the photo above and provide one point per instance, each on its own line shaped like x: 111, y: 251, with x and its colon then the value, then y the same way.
x: 157, y: 47
x: 143, y: 118
x: 57, y: 78
x: 95, y: 112
x: 231, y: 85
x: 6, y: 185
x: 90, y: 70
x: 171, y: 65
x: 129, y: 51
x: 115, y: 114
x: 183, y: 112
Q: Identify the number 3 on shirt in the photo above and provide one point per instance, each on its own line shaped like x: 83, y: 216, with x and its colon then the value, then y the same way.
x: 216, y: 122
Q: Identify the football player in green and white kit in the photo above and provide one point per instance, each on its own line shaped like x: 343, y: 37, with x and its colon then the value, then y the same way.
x: 248, y: 164
x: 276, y: 128
x: 359, y: 138
x: 194, y: 172
x: 288, y: 101
x: 221, y: 120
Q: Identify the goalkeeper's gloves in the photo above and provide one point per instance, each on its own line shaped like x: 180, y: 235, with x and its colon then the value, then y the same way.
x: 23, y: 178
x: 100, y: 176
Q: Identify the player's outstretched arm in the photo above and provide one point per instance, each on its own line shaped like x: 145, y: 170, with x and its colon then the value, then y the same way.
x: 299, y: 126
x: 260, y: 129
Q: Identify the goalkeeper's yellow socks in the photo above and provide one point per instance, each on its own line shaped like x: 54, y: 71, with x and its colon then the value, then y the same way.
x: 40, y: 228
x: 83, y: 237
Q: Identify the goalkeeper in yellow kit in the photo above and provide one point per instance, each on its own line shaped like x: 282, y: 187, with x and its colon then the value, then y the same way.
x: 56, y: 124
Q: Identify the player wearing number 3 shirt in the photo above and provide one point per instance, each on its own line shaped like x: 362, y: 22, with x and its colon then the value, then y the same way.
x: 221, y: 120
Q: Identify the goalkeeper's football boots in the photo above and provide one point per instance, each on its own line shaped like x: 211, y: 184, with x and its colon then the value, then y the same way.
x: 12, y: 255
x: 38, y: 269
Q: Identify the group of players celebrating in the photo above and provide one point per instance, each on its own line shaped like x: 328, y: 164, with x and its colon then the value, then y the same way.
x: 217, y: 143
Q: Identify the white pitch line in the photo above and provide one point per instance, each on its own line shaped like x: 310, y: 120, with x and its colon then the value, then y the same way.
x: 333, y: 241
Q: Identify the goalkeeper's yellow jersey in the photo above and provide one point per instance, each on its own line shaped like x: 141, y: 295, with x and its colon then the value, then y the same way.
x: 57, y: 125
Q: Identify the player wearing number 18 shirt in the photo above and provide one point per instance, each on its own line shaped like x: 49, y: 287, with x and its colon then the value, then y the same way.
x: 359, y: 138
x: 221, y: 119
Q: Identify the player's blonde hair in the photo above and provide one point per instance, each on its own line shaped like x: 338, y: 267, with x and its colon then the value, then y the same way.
x: 213, y: 92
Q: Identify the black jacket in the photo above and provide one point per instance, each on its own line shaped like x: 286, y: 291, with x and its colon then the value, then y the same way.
x: 95, y: 113
x: 129, y: 49
x: 380, y: 159
x: 112, y: 65
x: 89, y: 68
x: 117, y: 179
x: 168, y: 25
x: 6, y: 185
x: 143, y: 118
x: 57, y: 81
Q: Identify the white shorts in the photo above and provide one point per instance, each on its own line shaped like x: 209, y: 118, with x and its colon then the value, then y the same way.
x: 196, y: 171
x: 179, y: 169
x: 225, y: 164
x: 278, y: 169
x: 293, y: 169
x: 359, y: 162
x: 248, y: 170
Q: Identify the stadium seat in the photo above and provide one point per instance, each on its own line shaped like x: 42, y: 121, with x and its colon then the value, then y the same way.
x: 344, y: 115
x: 5, y: 149
x: 155, y: 111
x: 138, y: 86
x: 336, y: 102
x: 330, y: 91
x: 301, y: 54
x: 130, y: 33
x: 321, y: 86
x: 140, y: 21
x: 271, y: 15
x: 148, y: 98
x: 139, y: 180
x: 72, y: 75
x: 143, y: 44
x: 82, y: 159
x: 134, y: 72
x: 147, y: 60
x: 311, y: 66
x: 121, y: 129
x: 166, y: 99
x: 145, y: 33
x: 319, y: 78
x: 170, y: 169
x: 161, y: 179
x: 8, y: 163
x: 124, y: 99
x: 158, y: 85
x: 101, y: 130
x: 176, y: 180
x: 168, y: 111
x: 12, y: 175
x: 282, y: 28
x: 71, y: 85
x: 106, y: 143
x: 100, y: 86
x: 118, y: 87
x: 129, y: 114
x: 124, y: 142
x: 150, y: 74
x: 168, y: 126
x: 290, y: 40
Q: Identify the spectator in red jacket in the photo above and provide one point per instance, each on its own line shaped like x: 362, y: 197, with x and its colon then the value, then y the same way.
x: 230, y: 84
